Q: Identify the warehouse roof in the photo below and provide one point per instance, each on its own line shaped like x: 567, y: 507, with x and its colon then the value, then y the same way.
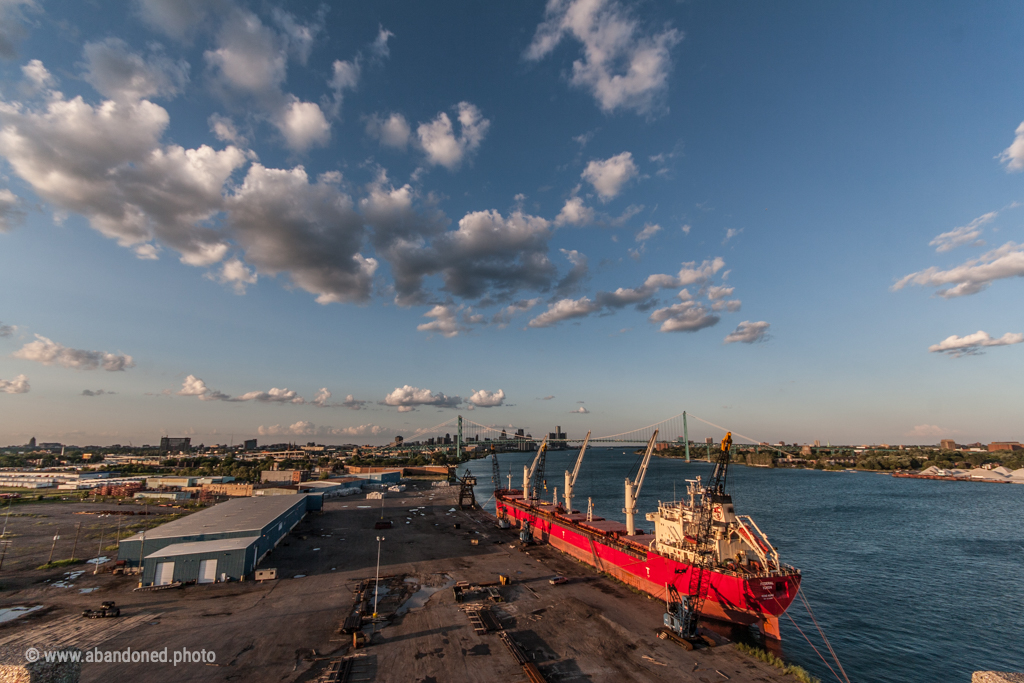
x: 217, y: 546
x: 240, y: 514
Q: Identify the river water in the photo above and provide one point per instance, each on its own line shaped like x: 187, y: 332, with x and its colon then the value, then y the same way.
x: 912, y: 580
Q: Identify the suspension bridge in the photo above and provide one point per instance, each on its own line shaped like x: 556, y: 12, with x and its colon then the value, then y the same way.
x: 459, y: 434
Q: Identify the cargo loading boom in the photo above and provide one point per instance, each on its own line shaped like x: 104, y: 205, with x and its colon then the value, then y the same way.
x: 570, y: 479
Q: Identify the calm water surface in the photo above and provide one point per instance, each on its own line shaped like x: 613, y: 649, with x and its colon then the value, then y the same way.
x: 911, y: 580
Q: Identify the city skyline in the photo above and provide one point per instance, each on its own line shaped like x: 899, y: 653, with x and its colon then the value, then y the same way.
x: 312, y: 223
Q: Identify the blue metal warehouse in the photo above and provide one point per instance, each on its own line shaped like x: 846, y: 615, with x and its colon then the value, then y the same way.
x: 224, y: 542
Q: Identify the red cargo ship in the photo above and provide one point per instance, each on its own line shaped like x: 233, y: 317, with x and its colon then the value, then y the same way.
x: 747, y: 583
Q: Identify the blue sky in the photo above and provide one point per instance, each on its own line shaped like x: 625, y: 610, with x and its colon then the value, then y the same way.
x: 342, y: 223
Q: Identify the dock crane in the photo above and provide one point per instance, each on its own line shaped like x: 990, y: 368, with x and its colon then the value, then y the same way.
x: 533, y: 476
x: 704, y: 549
x: 633, y: 487
x: 570, y: 479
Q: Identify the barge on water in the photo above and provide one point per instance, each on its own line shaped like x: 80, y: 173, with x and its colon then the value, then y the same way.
x: 743, y: 581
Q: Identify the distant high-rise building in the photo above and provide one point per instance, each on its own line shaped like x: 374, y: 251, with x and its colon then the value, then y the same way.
x: 175, y: 443
x: 250, y: 445
x: 947, y: 445
x: 32, y: 442
x: 558, y: 434
x: 817, y: 444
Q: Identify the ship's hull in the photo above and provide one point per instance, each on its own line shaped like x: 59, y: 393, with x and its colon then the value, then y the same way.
x: 732, y: 596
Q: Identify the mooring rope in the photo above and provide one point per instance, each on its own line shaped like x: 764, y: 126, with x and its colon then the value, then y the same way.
x: 807, y: 606
x: 823, y: 660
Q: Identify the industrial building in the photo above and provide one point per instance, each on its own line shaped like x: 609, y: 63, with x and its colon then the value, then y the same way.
x: 175, y: 444
x: 385, y: 477
x: 221, y: 543
x: 284, y: 476
x: 342, y: 486
x: 162, y: 495
x: 42, y: 479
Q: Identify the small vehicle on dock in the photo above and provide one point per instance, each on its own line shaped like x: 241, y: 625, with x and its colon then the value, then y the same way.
x: 107, y: 609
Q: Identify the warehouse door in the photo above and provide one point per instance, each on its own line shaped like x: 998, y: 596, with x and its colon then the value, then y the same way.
x: 164, y: 573
x: 207, y: 571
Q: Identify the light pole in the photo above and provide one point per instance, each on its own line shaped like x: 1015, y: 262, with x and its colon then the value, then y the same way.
x: 376, y: 581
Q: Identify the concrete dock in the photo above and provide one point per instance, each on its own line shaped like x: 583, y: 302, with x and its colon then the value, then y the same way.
x: 289, y: 629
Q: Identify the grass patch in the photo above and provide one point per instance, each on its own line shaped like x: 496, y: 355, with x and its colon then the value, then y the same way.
x: 60, y: 563
x: 797, y: 672
x: 148, y: 524
x: 111, y: 548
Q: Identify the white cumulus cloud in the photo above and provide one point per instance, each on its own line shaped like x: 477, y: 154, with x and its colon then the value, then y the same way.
x: 352, y: 403
x: 392, y: 131
x: 234, y: 272
x: 194, y: 386
x: 748, y: 332
x: 487, y: 399
x: 37, y: 74
x: 972, y: 276
x: 18, y: 385
x: 106, y: 163
x: 649, y: 231
x: 175, y: 18
x: 965, y: 234
x: 445, y: 321
x: 406, y: 398
x: 575, y: 212
x: 1013, y: 156
x: 442, y: 146
x: 565, y: 309
x: 686, y: 316
x: 303, y: 125
x: 971, y: 344
x: 310, y: 231
x: 49, y: 352
x: 609, y: 175
x: 121, y: 74
x: 622, y: 66
x: 274, y: 395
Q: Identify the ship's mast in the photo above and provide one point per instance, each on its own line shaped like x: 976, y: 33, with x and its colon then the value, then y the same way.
x: 570, y: 479
x: 633, y: 487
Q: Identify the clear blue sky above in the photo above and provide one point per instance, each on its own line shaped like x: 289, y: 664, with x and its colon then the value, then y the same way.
x: 341, y: 223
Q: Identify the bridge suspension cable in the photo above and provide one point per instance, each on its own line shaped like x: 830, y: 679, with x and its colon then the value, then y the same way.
x: 427, y: 430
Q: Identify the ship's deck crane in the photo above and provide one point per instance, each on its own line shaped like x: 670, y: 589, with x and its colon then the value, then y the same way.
x: 570, y: 479
x: 704, y: 549
x: 633, y: 487
x: 533, y: 476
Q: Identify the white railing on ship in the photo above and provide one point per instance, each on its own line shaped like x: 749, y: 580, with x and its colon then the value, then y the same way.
x: 758, y: 539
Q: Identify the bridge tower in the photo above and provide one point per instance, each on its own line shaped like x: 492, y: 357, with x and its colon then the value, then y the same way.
x: 686, y: 438
x: 458, y: 441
